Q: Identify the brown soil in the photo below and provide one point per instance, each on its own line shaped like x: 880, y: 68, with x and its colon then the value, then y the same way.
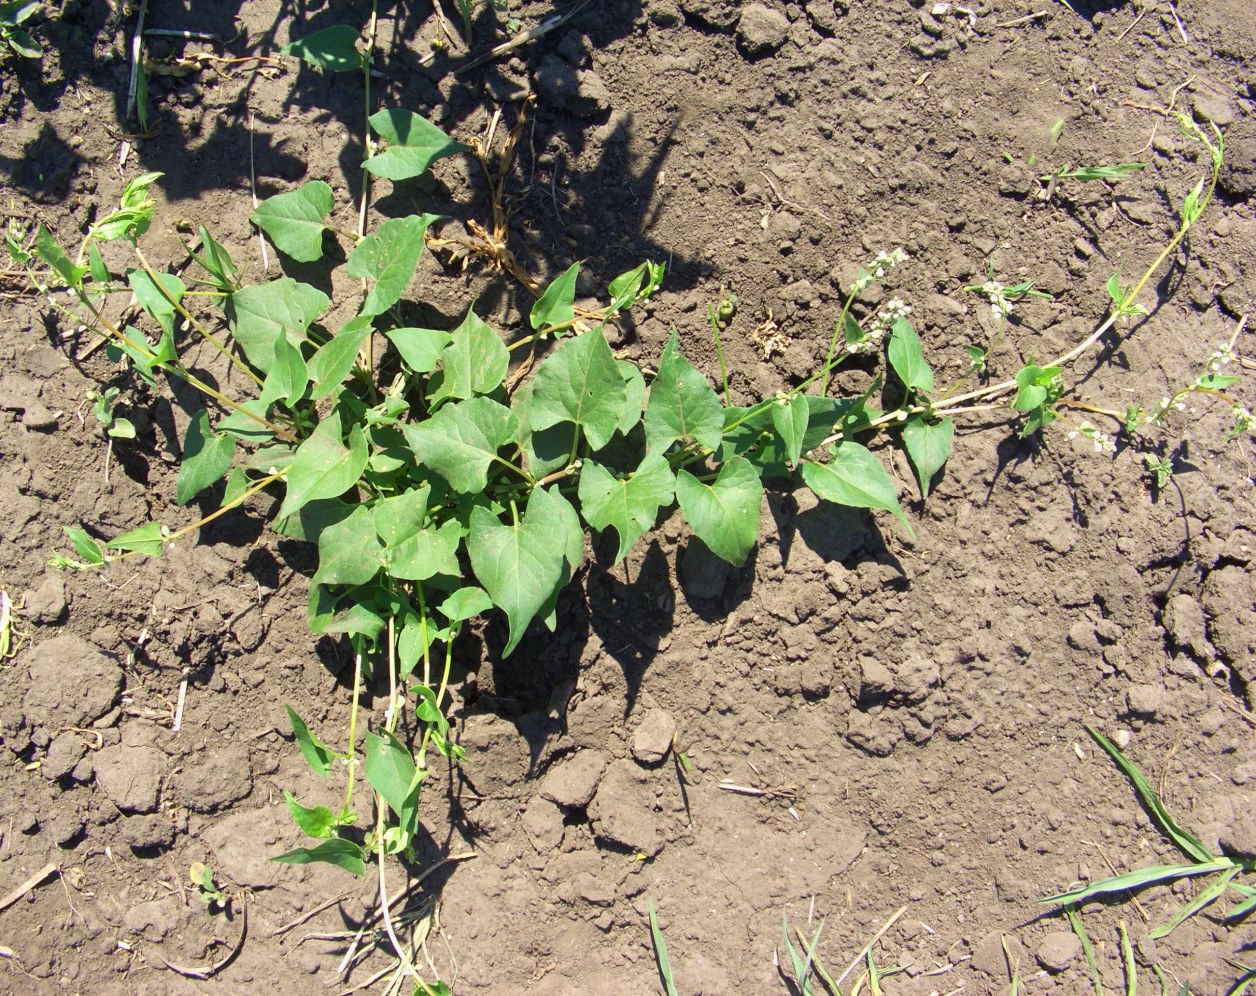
x: 914, y: 711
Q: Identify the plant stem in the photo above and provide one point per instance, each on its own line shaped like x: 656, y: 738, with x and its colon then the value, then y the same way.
x: 192, y: 321
x: 719, y: 351
x: 351, y: 753
x: 839, y: 330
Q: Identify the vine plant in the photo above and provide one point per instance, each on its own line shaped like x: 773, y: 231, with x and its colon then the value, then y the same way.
x: 440, y: 486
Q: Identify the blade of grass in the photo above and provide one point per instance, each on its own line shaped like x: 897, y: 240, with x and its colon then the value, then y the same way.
x: 1127, y: 957
x: 1075, y: 922
x: 867, y: 947
x: 1244, y: 981
x: 1185, y: 842
x: 1243, y: 908
x: 1013, y: 968
x: 660, y: 952
x: 817, y: 964
x: 1205, y: 898
x: 801, y: 966
x: 1140, y: 878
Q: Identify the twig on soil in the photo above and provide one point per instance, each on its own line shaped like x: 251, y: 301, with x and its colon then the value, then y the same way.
x: 38, y: 878
x: 1017, y: 22
x: 1178, y: 22
x: 178, y: 709
x: 137, y: 41
x: 545, y: 27
x: 1141, y: 14
x: 253, y: 193
x: 868, y: 947
x: 788, y: 792
x: 304, y: 917
x: 205, y: 973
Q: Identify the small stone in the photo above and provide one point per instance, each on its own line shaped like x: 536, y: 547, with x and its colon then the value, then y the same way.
x: 761, y: 30
x: 623, y: 809
x: 1058, y: 951
x: 543, y: 823
x: 130, y: 776
x: 149, y: 832
x: 1214, y: 108
x: 876, y: 735
x: 1239, y: 839
x: 72, y: 683
x: 572, y: 782
x: 1184, y: 621
x: 990, y: 959
x: 1121, y: 738
x: 653, y: 738
x: 1145, y: 701
x: 824, y: 15
x: 64, y: 752
x: 47, y: 603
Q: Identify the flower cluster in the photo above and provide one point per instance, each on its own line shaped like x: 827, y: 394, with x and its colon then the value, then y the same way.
x: 1103, y: 443
x: 996, y: 294
x: 880, y: 326
x: 877, y: 269
x: 1243, y: 421
x: 1167, y: 405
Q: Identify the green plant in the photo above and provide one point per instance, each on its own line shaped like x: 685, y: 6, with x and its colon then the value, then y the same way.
x: 103, y: 405
x: 12, y: 15
x: 1225, y: 871
x: 202, y: 878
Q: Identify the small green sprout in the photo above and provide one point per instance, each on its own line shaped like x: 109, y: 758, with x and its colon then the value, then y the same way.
x: 1160, y: 471
x: 1122, y: 298
x: 12, y: 15
x: 976, y: 358
x: 203, y: 878
x: 103, y: 404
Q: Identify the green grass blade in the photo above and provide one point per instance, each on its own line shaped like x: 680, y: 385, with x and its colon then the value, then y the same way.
x: 1139, y: 879
x: 1187, y: 843
x: 1127, y: 958
x: 1207, y: 897
x: 1075, y: 922
x: 801, y: 966
x: 1013, y: 968
x: 1242, y: 909
x: 1244, y: 981
x: 660, y: 953
x: 817, y: 964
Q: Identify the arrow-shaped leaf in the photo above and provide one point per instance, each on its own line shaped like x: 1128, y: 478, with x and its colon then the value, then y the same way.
x: 631, y: 505
x: 322, y: 466
x: 414, y: 143
x: 206, y: 458
x: 461, y: 440
x: 295, y: 221
x: 855, y: 477
x: 389, y: 258
x: 263, y: 312
x: 474, y: 362
x: 580, y: 383
x: 725, y: 513
x: 336, y: 357
x: 928, y: 447
x: 682, y: 404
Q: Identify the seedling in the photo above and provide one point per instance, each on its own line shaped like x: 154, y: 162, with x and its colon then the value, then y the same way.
x: 12, y: 634
x: 660, y: 952
x: 103, y: 405
x: 12, y: 15
x: 1224, y: 871
x: 202, y: 878
x: 1002, y: 296
x: 1085, y: 174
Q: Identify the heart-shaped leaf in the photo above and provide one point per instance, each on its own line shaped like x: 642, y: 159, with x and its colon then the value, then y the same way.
x: 474, y: 362
x: 334, y: 48
x: 630, y: 505
x: 262, y: 313
x: 682, y: 404
x: 295, y: 221
x: 855, y: 477
x: 322, y: 466
x: 461, y: 440
x: 725, y: 513
x: 928, y: 447
x: 207, y: 457
x: 580, y: 383
x: 389, y: 258
x: 414, y: 143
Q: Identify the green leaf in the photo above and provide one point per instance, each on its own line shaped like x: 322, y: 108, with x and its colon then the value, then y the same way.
x: 557, y: 305
x: 323, y: 467
x: 1206, y: 898
x: 1034, y: 385
x: 96, y: 264
x: 296, y: 220
x: 207, y: 456
x: 23, y: 44
x: 348, y: 550
x: 1187, y: 843
x: 520, y: 565
x: 461, y: 440
x: 135, y: 214
x: 419, y: 348
x: 217, y: 261
x: 682, y: 404
x: 391, y: 772
x: 49, y: 250
x: 1217, y: 382
x: 474, y: 362
x: 389, y: 258
x: 334, y: 48
x: 122, y: 429
x: 147, y: 539
x: 335, y: 358
x: 854, y: 477
x: 725, y: 513
x: 631, y: 505
x: 567, y: 535
x: 928, y: 447
x: 415, y: 551
x: 790, y: 418
x: 288, y: 377
x: 466, y: 603
x: 17, y: 11
x: 243, y: 426
x: 316, y: 754
x: 1139, y: 879
x: 580, y: 383
x: 85, y: 546
x: 635, y: 285
x: 414, y: 143
x: 314, y: 821
x: 337, y: 851
x: 151, y: 298
x: 907, y: 357
x: 261, y: 314
x: 634, y: 395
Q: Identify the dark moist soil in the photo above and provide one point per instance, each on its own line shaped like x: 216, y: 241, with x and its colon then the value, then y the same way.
x: 912, y: 713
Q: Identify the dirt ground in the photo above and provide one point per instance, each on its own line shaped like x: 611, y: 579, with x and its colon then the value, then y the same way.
x: 911, y: 712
